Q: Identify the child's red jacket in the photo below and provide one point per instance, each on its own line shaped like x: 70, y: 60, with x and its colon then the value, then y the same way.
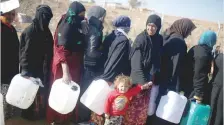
x: 117, y: 103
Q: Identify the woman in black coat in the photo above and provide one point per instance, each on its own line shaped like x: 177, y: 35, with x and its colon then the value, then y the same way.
x: 9, y: 57
x: 173, y: 55
x: 198, y: 66
x: 93, y: 56
x: 116, y: 51
x: 36, y: 51
x: 145, y: 65
x: 217, y: 91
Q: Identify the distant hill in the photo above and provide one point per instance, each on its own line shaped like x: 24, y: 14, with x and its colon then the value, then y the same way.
x: 138, y: 17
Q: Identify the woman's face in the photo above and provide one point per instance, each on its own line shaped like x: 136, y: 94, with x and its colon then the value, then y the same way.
x: 10, y: 16
x: 102, y: 18
x: 151, y: 29
x: 189, y: 34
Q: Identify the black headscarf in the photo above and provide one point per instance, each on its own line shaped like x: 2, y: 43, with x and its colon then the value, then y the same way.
x: 70, y: 24
x: 155, y: 19
x: 43, y: 17
x: 157, y: 42
x: 182, y: 27
x: 145, y: 42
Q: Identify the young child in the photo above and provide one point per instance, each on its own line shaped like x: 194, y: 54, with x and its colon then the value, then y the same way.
x: 118, y: 100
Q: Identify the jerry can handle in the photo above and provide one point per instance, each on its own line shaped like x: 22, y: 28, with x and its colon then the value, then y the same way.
x: 74, y: 88
x: 36, y: 81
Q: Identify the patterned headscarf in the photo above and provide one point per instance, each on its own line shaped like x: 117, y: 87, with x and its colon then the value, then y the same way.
x: 70, y: 24
x: 72, y: 15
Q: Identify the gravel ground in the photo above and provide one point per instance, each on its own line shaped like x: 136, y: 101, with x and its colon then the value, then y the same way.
x: 20, y: 121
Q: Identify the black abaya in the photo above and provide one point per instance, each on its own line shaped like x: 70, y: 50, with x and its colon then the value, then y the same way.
x: 117, y: 59
x: 217, y: 92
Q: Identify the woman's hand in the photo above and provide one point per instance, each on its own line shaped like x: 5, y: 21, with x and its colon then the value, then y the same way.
x: 198, y: 99
x: 26, y: 77
x: 147, y: 85
x: 25, y: 74
x: 66, y: 78
x: 107, y: 116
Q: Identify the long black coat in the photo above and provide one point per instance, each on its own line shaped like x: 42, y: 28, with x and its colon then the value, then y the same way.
x: 116, y: 53
x: 93, y: 42
x: 140, y: 71
x: 217, y: 92
x: 9, y: 53
x: 173, y: 55
x: 197, y: 67
x: 36, y: 51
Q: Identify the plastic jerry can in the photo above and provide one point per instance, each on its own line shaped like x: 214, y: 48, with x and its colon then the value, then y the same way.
x: 171, y: 107
x: 63, y: 97
x: 2, y: 120
x: 95, y: 96
x: 22, y: 91
x: 198, y: 114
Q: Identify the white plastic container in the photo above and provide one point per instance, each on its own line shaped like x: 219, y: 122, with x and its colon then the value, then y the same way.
x: 152, y: 100
x: 171, y: 107
x: 95, y: 96
x: 2, y: 120
x: 22, y: 91
x: 63, y: 97
x: 8, y: 5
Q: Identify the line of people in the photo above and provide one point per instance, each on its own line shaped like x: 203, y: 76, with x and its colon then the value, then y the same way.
x: 79, y: 53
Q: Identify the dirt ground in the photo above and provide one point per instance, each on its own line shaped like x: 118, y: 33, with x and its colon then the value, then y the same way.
x: 20, y: 121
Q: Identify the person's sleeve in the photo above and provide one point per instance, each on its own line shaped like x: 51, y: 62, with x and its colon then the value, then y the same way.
x: 50, y: 46
x: 200, y: 78
x: 25, y: 53
x: 215, y: 71
x: 49, y: 50
x: 156, y: 63
x: 137, y: 68
x: 178, y: 59
x: 185, y: 74
x: 178, y: 62
x: 114, y: 62
x: 95, y: 40
x: 48, y: 59
x: 63, y: 54
x: 60, y: 51
x: 17, y: 50
x: 134, y: 91
x: 108, y: 104
x: 156, y: 59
